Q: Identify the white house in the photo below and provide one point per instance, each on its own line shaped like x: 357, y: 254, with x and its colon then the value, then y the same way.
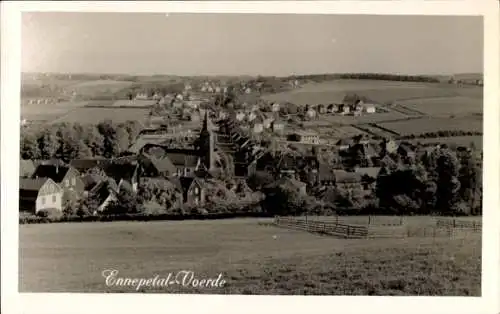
x: 275, y: 107
x: 311, y: 113
x: 370, y: 108
x: 240, y: 116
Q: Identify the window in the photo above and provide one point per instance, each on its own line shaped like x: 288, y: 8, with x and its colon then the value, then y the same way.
x: 73, y: 181
x: 66, y: 182
x: 43, y: 200
x: 196, y: 191
x: 54, y: 198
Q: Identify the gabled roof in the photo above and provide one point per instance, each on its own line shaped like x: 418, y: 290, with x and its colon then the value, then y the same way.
x: 31, y: 185
x: 182, y: 159
x: 344, y: 141
x: 161, y: 164
x: 372, y: 172
x: 325, y: 172
x: 342, y: 176
x: 56, y: 173
x: 85, y: 164
x: 120, y: 171
x: 91, y: 180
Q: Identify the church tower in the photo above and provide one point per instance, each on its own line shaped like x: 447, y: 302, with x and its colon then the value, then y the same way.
x: 207, y: 143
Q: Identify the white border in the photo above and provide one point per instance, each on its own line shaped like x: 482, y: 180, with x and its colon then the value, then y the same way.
x: 133, y: 303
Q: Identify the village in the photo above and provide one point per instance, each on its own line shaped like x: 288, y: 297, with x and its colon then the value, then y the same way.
x: 205, y: 148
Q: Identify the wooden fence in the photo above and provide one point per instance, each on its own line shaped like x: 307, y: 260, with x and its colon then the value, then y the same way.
x: 459, y: 224
x: 330, y: 228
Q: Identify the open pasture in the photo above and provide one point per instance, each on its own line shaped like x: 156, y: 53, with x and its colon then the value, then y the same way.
x: 253, y: 259
x: 434, y: 124
x: 96, y: 115
x: 377, y: 91
x: 49, y: 112
x: 93, y: 87
x: 133, y: 103
x: 452, y: 140
x: 445, y: 106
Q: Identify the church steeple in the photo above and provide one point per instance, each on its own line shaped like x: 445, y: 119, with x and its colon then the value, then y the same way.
x: 207, y: 143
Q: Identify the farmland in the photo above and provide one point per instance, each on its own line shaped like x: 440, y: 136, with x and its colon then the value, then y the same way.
x: 455, y: 140
x: 253, y: 258
x: 434, y: 124
x: 94, y: 115
x: 377, y: 91
x: 446, y: 106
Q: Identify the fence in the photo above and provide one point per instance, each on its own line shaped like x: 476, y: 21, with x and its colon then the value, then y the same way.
x: 358, y: 228
x: 459, y: 224
x: 331, y: 228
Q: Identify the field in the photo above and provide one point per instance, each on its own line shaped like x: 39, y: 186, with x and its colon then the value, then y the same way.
x: 253, y: 259
x: 378, y: 91
x: 434, y: 124
x: 95, y: 115
x: 446, y: 106
x: 455, y: 140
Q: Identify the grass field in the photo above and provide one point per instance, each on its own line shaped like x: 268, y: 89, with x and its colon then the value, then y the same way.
x: 379, y: 91
x: 456, y: 140
x: 253, y: 258
x: 446, y: 106
x: 96, y: 115
x: 434, y: 124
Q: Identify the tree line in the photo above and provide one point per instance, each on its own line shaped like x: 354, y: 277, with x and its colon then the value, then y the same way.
x: 68, y: 141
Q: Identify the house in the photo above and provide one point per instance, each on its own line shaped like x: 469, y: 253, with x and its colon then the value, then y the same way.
x: 198, y: 191
x: 275, y: 107
x: 105, y: 192
x: 40, y: 194
x: 347, y: 180
x: 321, y: 109
x: 248, y: 90
x: 325, y: 176
x: 370, y: 108
x: 240, y: 116
x: 406, y: 150
x: 153, y: 166
x: 344, y: 109
x: 90, y: 181
x: 311, y: 113
x: 278, y: 126
x: 388, y: 146
x: 304, y: 137
x: 67, y: 177
x: 186, y: 163
x: 84, y: 165
x: 368, y: 176
x: 267, y: 121
x: 26, y: 168
x: 344, y: 144
x: 179, y: 97
x: 363, y: 154
x: 252, y: 116
x: 142, y: 96
x: 258, y: 125
x: 125, y: 173
x: 332, y: 108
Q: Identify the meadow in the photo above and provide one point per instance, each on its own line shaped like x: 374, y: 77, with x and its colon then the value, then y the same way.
x: 377, y: 91
x: 455, y: 140
x: 434, y: 124
x: 446, y: 106
x: 253, y: 259
x: 95, y: 115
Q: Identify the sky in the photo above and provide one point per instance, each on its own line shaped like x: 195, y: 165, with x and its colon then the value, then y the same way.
x: 249, y: 44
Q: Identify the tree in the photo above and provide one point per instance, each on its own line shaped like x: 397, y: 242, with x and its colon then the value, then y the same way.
x: 108, y: 132
x: 93, y: 139
x: 48, y: 143
x: 29, y: 146
x: 448, y: 185
x: 259, y: 179
x: 126, y: 203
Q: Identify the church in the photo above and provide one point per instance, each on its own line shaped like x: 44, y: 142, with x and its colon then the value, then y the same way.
x: 203, y: 160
